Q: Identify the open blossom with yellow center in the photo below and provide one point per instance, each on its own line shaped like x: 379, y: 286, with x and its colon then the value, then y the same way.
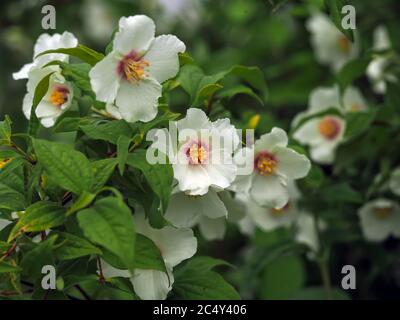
x: 380, y: 219
x: 129, y: 78
x: 203, y: 157
x: 275, y: 165
x: 57, y: 99
x: 266, y: 163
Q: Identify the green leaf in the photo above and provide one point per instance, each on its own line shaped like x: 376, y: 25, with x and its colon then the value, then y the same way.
x: 40, y: 216
x: 158, y: 176
x: 122, y: 152
x: 239, y: 89
x: 335, y: 8
x: 40, y: 91
x: 102, y: 170
x: 73, y: 247
x: 34, y: 260
x: 353, y: 70
x: 67, y: 167
x: 147, y: 255
x: 320, y: 293
x: 358, y: 122
x: 203, y: 264
x: 8, y: 268
x: 341, y: 193
x: 81, y: 52
x: 109, y: 131
x: 79, y: 74
x: 109, y: 223
x: 196, y: 281
x: 5, y: 131
x: 282, y: 278
x: 82, y: 202
x: 11, y: 199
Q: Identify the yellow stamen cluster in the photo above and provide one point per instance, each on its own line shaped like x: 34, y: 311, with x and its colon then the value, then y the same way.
x: 197, y: 154
x: 58, y: 97
x: 344, y: 44
x: 383, y: 212
x: 329, y: 128
x: 266, y: 165
x: 134, y: 70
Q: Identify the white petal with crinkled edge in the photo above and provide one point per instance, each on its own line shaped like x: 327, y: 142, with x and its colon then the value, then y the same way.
x: 212, y: 229
x: 183, y: 210
x: 48, y: 42
x: 292, y: 164
x: 269, y: 191
x: 323, y: 153
x: 221, y: 174
x: 113, y: 111
x: 163, y: 57
x: 277, y: 137
x: 152, y: 284
x: 27, y: 105
x: 23, y: 72
x: 225, y: 132
x: 193, y: 180
x: 135, y: 33
x: 46, y: 109
x: 381, y: 39
x: 104, y: 79
x: 186, y: 211
x: 175, y: 244
x: 138, y: 101
x: 196, y: 119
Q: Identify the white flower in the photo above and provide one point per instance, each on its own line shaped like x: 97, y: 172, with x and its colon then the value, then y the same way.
x: 331, y: 47
x: 131, y: 75
x: 394, y: 182
x: 204, y: 154
x: 176, y: 245
x: 267, y: 218
x: 47, y: 42
x: 57, y: 99
x: 274, y: 165
x: 324, y: 98
x: 379, y: 219
x: 209, y: 211
x: 306, y: 232
x: 324, y: 133
x: 378, y: 69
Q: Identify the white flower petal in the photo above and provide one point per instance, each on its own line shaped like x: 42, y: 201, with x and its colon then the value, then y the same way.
x: 394, y: 182
x: 308, y: 133
x: 183, y: 210
x: 323, y: 153
x: 353, y: 100
x: 104, y: 79
x: 212, y: 229
x: 195, y: 119
x: 152, y: 284
x: 135, y: 33
x: 111, y: 272
x: 23, y: 73
x: 277, y: 137
x: 27, y: 105
x: 269, y: 191
x: 138, y: 101
x: 212, y: 206
x: 4, y: 223
x: 163, y: 57
x: 47, y: 109
x: 292, y: 164
x: 192, y: 179
x: 323, y: 98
